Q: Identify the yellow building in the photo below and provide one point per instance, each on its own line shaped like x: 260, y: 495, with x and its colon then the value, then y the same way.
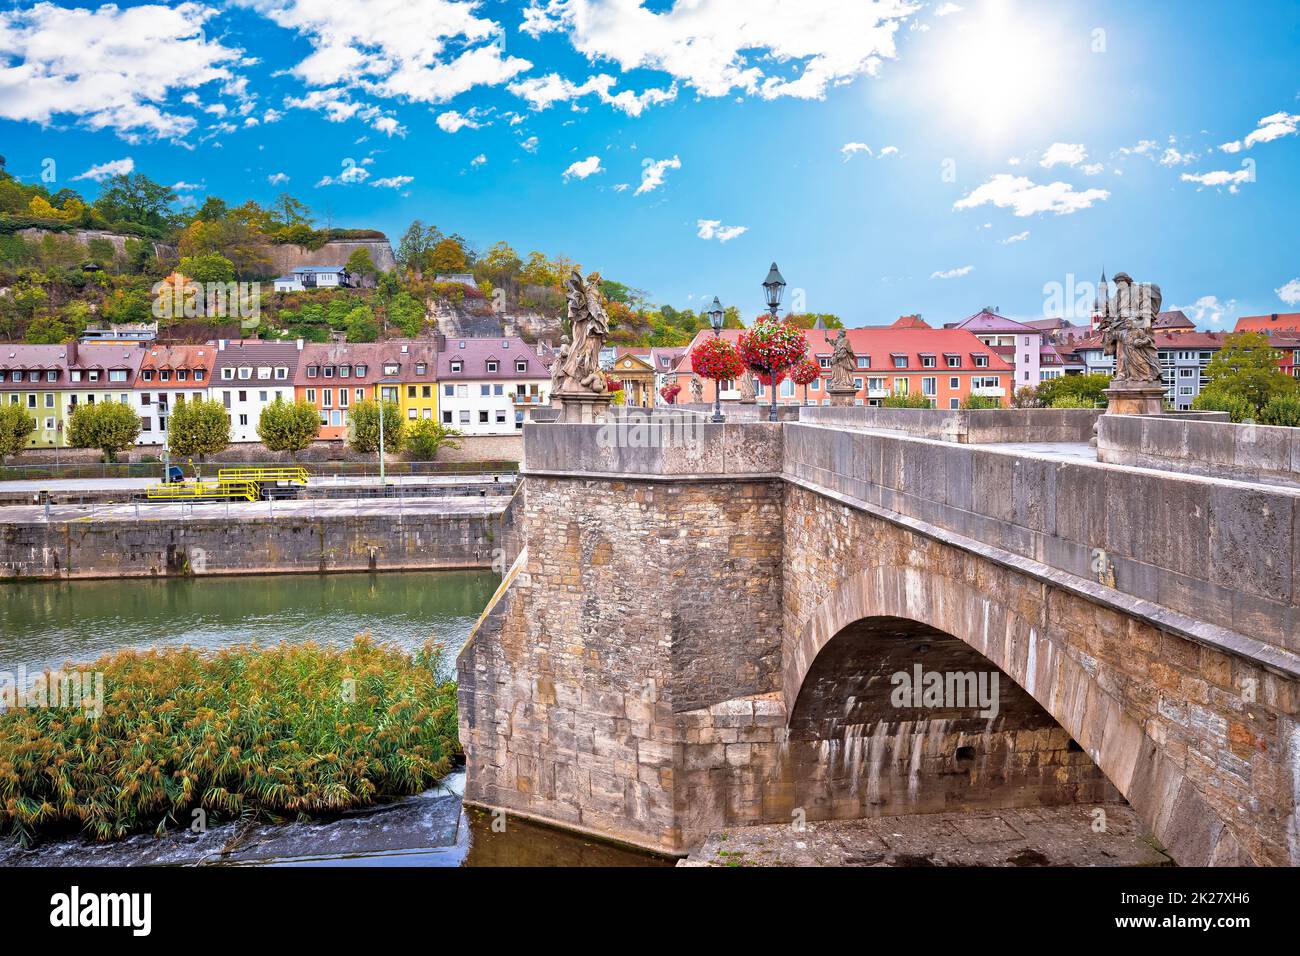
x: 409, y: 377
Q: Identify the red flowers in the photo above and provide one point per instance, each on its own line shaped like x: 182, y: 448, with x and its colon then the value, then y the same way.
x: 717, y: 359
x: 670, y: 393
x: 805, y: 372
x: 771, y: 347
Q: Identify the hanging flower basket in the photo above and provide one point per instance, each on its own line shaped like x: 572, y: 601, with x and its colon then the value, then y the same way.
x: 772, y: 347
x: 716, y: 359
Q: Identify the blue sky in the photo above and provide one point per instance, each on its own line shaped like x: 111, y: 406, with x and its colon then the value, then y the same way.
x: 896, y: 158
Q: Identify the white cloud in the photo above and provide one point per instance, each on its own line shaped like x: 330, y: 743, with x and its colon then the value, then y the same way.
x: 1063, y: 154
x: 620, y: 187
x: 953, y: 273
x: 1290, y: 292
x: 888, y: 151
x: 478, y: 160
x: 1092, y: 169
x: 948, y: 9
x: 543, y: 92
x: 392, y: 182
x: 583, y: 168
x: 720, y: 46
x: 351, y: 174
x: 184, y: 187
x: 109, y: 68
x: 1268, y: 129
x: 1207, y: 310
x: 453, y: 121
x: 116, y: 167
x: 1144, y: 147
x: 425, y: 52
x: 714, y: 229
x: 337, y: 106
x: 1025, y: 197
x: 276, y: 179
x: 1018, y: 237
x: 849, y: 150
x: 529, y: 145
x: 653, y: 172
x: 1219, y: 177
x: 1173, y: 157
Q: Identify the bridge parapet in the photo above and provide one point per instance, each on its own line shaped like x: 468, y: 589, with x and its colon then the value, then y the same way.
x: 967, y: 426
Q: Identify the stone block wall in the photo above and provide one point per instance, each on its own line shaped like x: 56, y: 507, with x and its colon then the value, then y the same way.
x: 963, y: 426
x: 1213, y: 448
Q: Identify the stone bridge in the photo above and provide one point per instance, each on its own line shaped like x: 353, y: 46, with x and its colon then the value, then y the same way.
x: 704, y: 626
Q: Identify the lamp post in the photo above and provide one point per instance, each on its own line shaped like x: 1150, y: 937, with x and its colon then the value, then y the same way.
x: 773, y: 286
x: 716, y: 314
x: 382, y: 382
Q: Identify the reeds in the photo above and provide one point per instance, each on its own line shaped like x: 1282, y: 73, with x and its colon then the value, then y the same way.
x: 288, y: 730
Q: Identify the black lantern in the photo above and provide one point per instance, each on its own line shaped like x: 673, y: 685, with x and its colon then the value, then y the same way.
x: 716, y: 315
x: 773, y: 286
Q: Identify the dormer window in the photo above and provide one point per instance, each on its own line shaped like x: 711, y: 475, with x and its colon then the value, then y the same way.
x: 455, y: 365
x: 182, y: 375
x: 505, y: 344
x: 282, y: 372
x: 390, y: 368
x: 864, y: 361
x: 900, y: 360
x: 954, y: 361
x: 521, y: 365
x: 198, y: 375
x: 361, y: 371
x: 345, y: 371
x: 492, y: 365
x: 981, y: 361
x: 421, y: 368
x: 147, y: 375
x: 245, y: 372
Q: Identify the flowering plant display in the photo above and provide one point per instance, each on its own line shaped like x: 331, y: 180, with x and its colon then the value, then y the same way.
x: 670, y: 393
x: 716, y: 359
x: 771, y: 346
x: 805, y: 372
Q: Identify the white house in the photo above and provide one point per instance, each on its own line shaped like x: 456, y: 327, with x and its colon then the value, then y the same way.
x: 487, y: 385
x: 314, y: 277
x: 248, y: 376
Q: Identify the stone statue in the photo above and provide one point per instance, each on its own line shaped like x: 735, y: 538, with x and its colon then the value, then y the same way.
x: 1128, y: 331
x: 697, y: 389
x: 580, y: 370
x: 746, y: 386
x: 843, y: 362
x: 558, y: 378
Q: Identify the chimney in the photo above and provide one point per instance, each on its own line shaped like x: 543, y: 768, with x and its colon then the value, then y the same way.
x: 441, y: 339
x: 72, y: 352
x: 221, y: 345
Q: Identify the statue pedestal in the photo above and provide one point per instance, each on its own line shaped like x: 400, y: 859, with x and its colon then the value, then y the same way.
x: 842, y: 396
x: 1135, y: 398
x: 583, y: 407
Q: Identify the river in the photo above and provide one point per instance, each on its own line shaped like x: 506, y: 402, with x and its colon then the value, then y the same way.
x: 45, y: 624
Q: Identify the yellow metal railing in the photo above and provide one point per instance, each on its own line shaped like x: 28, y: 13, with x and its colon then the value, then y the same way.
x: 265, y: 473
x: 203, y: 490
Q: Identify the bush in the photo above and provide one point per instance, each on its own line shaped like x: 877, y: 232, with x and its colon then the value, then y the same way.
x: 1281, y: 410
x: 1073, y: 401
x: 1237, y: 406
x: 424, y: 438
x: 980, y: 401
x: 288, y: 426
x: 297, y: 729
x: 910, y: 400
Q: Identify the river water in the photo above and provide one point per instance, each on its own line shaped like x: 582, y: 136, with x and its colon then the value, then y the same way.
x: 45, y: 624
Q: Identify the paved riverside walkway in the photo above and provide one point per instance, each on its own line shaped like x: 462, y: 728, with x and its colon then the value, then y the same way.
x: 315, y: 481
x: 246, y: 510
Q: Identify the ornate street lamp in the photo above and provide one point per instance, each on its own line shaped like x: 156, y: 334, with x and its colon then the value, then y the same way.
x: 773, y: 286
x: 716, y: 315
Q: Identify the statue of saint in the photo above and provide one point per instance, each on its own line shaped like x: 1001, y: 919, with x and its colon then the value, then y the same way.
x: 1128, y: 331
x: 580, y: 370
x: 843, y: 362
x: 697, y: 389
x: 558, y: 377
x: 746, y: 385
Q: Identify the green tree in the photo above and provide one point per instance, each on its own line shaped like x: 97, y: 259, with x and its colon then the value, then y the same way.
x: 15, y: 428
x: 981, y: 401
x: 1248, y: 367
x: 363, y: 427
x: 415, y: 242
x: 447, y: 256
x: 287, y: 212
x: 425, y: 437
x: 1281, y: 410
x: 46, y: 330
x: 129, y: 305
x: 108, y: 426
x: 288, y: 426
x: 407, y: 313
x: 136, y: 199
x: 909, y: 400
x: 207, y: 268
x: 361, y: 325
x: 360, y: 264
x: 1089, y: 388
x: 198, y: 428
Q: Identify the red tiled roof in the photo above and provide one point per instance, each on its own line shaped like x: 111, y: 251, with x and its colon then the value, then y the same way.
x: 172, y: 357
x: 1282, y: 321
x: 910, y: 322
x: 476, y: 353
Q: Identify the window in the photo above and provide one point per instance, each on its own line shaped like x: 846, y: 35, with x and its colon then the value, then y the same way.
x: 954, y: 361
x: 146, y: 423
x: 243, y: 419
x: 282, y: 372
x: 117, y: 375
x: 864, y: 361
x: 263, y: 373
x: 421, y: 368
x: 929, y: 387
x: 900, y: 386
x: 521, y: 365
x: 76, y: 376
x: 245, y: 372
x: 328, y: 371
x: 455, y: 364
x: 462, y: 391
x: 345, y: 371
x: 343, y: 398
x: 228, y: 373
x: 446, y: 417
x: 900, y: 361
x: 824, y: 361
x: 327, y: 398
x: 145, y: 398
x: 243, y: 396
x: 954, y: 403
x: 464, y: 417
x: 426, y: 391
x: 483, y: 417
x: 312, y: 371
x: 954, y: 382
x: 225, y: 399
x: 485, y: 391
x: 147, y: 375
x: 164, y: 375
x: 31, y: 401
x: 981, y: 361
x: 492, y: 365
x: 311, y: 395
x: 410, y: 413
x: 501, y: 416
x: 49, y: 399
x: 361, y: 371
x: 390, y: 368
x: 336, y: 418
x: 498, y: 389
x: 449, y: 391
x: 261, y: 397
x: 182, y: 375
x: 410, y: 391
x: 927, y: 361
x: 49, y: 424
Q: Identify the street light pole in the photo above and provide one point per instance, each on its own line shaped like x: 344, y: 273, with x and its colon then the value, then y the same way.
x: 773, y: 286
x: 716, y: 315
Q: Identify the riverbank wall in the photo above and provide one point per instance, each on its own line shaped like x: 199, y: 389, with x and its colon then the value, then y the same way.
x: 284, y: 544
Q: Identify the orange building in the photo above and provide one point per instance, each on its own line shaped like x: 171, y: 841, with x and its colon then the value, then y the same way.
x: 334, y: 376
x: 945, y: 365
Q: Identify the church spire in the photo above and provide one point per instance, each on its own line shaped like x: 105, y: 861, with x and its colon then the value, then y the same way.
x: 1101, y: 298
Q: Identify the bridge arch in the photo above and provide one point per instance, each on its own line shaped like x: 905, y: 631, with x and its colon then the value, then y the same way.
x: 1014, y: 631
